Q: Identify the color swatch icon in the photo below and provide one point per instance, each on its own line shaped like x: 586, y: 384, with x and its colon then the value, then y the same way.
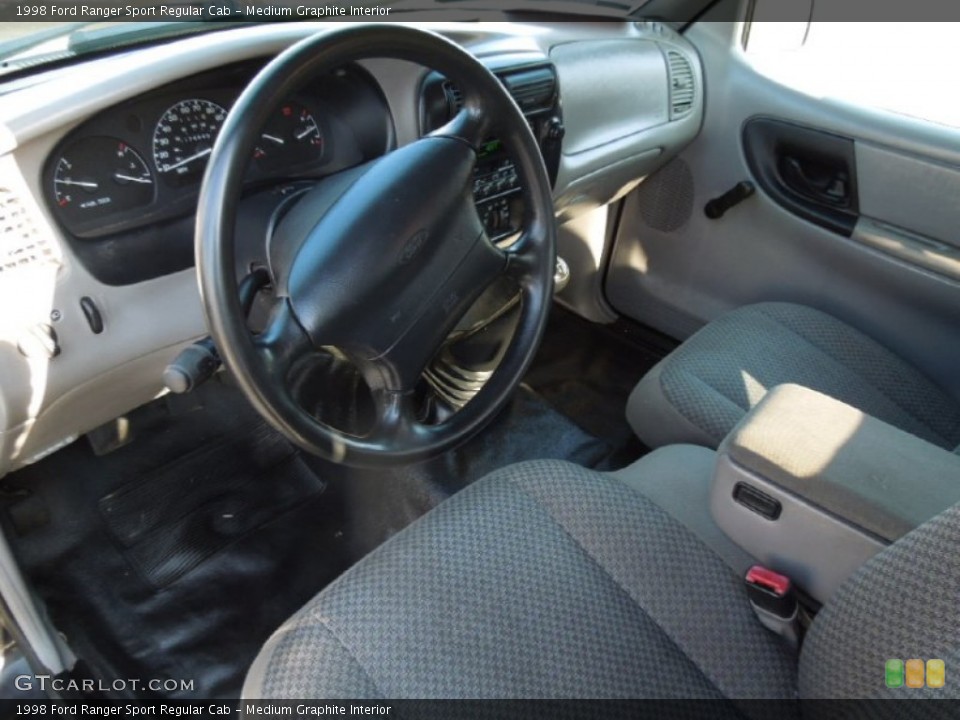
x: 894, y: 673
x: 936, y: 673
x: 914, y: 673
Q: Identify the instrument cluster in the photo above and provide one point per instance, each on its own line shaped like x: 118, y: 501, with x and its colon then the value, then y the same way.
x: 143, y: 161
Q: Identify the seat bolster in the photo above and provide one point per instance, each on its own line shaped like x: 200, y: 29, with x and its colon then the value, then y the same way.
x: 656, y: 421
x: 283, y: 664
x: 680, y: 583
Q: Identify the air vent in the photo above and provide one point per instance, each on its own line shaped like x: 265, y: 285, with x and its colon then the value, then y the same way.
x: 21, y: 244
x: 454, y: 97
x: 681, y: 85
x: 534, y: 90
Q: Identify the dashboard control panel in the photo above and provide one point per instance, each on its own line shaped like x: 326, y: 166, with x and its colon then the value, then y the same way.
x: 496, y: 190
x: 496, y: 186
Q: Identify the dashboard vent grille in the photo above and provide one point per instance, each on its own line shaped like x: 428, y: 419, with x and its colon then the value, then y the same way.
x: 534, y: 90
x: 454, y: 97
x: 21, y: 243
x: 681, y: 85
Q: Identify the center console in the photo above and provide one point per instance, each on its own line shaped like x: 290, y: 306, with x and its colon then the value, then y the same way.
x: 475, y: 348
x: 813, y: 488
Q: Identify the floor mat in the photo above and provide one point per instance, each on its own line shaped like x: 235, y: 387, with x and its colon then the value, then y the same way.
x: 178, y: 516
x: 177, y: 555
x: 586, y: 372
x: 144, y: 586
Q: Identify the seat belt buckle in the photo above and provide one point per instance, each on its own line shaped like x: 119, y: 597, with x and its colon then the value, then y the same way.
x: 774, y: 601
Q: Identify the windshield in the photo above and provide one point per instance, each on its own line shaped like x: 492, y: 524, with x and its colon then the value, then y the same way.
x: 106, y: 26
x: 28, y: 44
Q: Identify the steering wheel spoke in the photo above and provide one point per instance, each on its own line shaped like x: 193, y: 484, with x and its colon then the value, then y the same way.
x: 523, y: 258
x: 281, y: 344
x: 396, y: 425
x: 467, y: 125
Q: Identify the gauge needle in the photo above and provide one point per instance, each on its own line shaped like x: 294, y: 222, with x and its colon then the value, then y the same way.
x: 79, y: 183
x: 272, y: 138
x: 185, y: 161
x: 130, y: 178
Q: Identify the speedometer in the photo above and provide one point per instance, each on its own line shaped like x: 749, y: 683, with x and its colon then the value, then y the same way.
x: 184, y: 137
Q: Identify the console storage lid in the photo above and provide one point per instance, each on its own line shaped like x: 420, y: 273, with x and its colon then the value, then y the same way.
x: 813, y: 487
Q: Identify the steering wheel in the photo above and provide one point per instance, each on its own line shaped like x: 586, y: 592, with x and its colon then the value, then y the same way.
x: 380, y: 262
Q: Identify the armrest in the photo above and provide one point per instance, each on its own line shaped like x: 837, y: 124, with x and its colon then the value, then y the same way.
x: 841, y: 483
x: 872, y: 474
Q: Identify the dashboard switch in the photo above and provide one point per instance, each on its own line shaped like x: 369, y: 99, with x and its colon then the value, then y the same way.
x: 92, y: 313
x: 556, y: 129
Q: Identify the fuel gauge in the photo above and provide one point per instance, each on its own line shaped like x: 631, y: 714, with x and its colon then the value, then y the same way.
x: 99, y: 176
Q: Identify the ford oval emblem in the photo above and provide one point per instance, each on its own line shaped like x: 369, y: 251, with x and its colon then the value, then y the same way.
x: 413, y: 246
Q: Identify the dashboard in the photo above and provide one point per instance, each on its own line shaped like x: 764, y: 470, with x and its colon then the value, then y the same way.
x: 101, y: 163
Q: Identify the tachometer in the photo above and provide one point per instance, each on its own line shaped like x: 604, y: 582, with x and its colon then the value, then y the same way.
x: 99, y: 176
x: 184, y: 137
x: 291, y: 138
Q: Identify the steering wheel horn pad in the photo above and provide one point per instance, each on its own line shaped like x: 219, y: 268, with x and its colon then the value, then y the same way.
x: 406, y: 231
x: 381, y: 262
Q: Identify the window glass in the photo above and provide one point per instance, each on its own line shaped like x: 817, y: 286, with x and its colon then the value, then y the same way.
x: 907, y: 67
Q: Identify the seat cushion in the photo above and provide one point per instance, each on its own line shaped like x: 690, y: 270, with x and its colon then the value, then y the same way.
x: 702, y: 389
x: 542, y: 580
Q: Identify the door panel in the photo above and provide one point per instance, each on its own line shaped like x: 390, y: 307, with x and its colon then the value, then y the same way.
x: 855, y: 213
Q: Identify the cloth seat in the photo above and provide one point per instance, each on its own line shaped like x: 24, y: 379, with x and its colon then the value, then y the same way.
x: 546, y: 580
x: 699, y: 392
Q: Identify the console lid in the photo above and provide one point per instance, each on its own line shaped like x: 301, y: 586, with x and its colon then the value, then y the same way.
x: 814, y: 487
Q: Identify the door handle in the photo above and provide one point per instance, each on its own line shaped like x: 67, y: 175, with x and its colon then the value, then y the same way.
x: 817, y: 181
x: 808, y: 172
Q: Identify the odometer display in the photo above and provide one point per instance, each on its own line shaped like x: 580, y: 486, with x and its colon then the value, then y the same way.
x: 184, y: 138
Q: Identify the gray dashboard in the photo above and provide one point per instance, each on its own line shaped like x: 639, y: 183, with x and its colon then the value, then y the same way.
x: 631, y: 97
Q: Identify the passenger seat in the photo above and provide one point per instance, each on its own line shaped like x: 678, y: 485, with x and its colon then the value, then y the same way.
x: 703, y: 388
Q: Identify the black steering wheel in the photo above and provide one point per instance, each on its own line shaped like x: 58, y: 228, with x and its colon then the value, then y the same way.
x: 382, y: 261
